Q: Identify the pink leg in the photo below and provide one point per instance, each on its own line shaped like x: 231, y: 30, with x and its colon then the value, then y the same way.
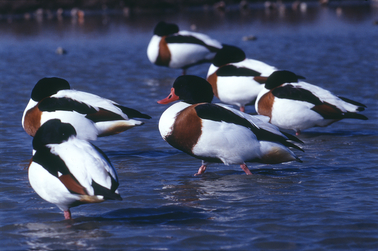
x: 297, y: 132
x: 183, y: 71
x: 201, y: 170
x: 67, y: 215
x: 245, y: 169
x: 242, y: 108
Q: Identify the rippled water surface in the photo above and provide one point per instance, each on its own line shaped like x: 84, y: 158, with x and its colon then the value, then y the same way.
x: 330, y: 201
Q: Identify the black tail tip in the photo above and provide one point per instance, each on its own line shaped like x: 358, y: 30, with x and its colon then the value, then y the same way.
x: 298, y: 160
x: 147, y: 116
x: 356, y: 116
x: 115, y: 196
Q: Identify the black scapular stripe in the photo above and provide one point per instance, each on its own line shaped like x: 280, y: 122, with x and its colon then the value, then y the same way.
x: 178, y: 39
x: 51, y: 162
x: 231, y: 70
x: 65, y: 104
x: 291, y: 92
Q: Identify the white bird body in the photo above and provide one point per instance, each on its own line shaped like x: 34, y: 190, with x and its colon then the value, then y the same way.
x: 297, y: 105
x: 85, y: 128
x: 241, y: 90
x: 180, y: 49
x: 234, y: 78
x: 71, y: 171
x: 229, y: 142
x: 219, y: 133
x: 90, y: 114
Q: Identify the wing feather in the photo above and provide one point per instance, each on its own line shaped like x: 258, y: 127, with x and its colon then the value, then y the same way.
x: 221, y: 114
x: 65, y: 104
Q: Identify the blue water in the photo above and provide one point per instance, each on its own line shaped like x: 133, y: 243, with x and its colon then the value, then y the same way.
x: 328, y: 202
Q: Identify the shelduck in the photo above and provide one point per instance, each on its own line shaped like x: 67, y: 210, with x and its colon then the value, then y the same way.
x: 297, y: 105
x: 235, y: 78
x: 218, y: 133
x: 67, y: 171
x: 180, y: 49
x: 89, y: 114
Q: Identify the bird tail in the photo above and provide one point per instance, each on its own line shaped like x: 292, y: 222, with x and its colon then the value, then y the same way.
x: 361, y: 107
x: 274, y: 153
x: 352, y: 115
x: 132, y: 113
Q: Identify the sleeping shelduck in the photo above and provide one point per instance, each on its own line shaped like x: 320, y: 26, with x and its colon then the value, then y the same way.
x: 236, y: 79
x: 217, y: 133
x: 180, y: 49
x: 297, y: 105
x: 68, y: 171
x: 89, y: 114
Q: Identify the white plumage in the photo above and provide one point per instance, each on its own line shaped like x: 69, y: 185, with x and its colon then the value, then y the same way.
x: 180, y: 49
x: 68, y: 171
x: 233, y: 76
x: 297, y: 105
x: 89, y: 114
x: 218, y: 133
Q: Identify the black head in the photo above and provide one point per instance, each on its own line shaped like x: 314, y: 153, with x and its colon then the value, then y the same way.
x: 193, y: 89
x: 278, y: 78
x: 228, y: 54
x: 52, y: 132
x: 165, y: 29
x: 47, y: 87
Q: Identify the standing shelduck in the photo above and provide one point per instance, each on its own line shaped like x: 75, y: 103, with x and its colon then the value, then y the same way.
x: 67, y: 171
x: 89, y: 114
x: 180, y: 49
x: 216, y: 133
x: 297, y: 105
x: 235, y: 78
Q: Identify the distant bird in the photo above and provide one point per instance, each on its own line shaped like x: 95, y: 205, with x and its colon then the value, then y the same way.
x: 89, y: 114
x: 180, y: 49
x: 67, y: 171
x: 217, y: 133
x: 236, y: 79
x: 60, y: 51
x: 297, y: 105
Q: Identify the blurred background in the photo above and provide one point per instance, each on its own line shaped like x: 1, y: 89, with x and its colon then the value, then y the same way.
x: 30, y: 6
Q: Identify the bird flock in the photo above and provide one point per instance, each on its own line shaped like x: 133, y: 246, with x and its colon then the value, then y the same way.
x: 68, y: 170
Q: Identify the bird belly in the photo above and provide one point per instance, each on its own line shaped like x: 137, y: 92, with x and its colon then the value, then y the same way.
x: 295, y: 115
x: 230, y: 143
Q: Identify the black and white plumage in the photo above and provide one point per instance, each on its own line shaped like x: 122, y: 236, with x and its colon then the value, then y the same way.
x: 297, y: 105
x: 68, y: 171
x: 236, y: 79
x: 89, y: 114
x: 180, y: 49
x: 218, y: 133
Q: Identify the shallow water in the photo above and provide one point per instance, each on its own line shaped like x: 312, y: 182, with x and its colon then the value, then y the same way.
x: 330, y: 201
